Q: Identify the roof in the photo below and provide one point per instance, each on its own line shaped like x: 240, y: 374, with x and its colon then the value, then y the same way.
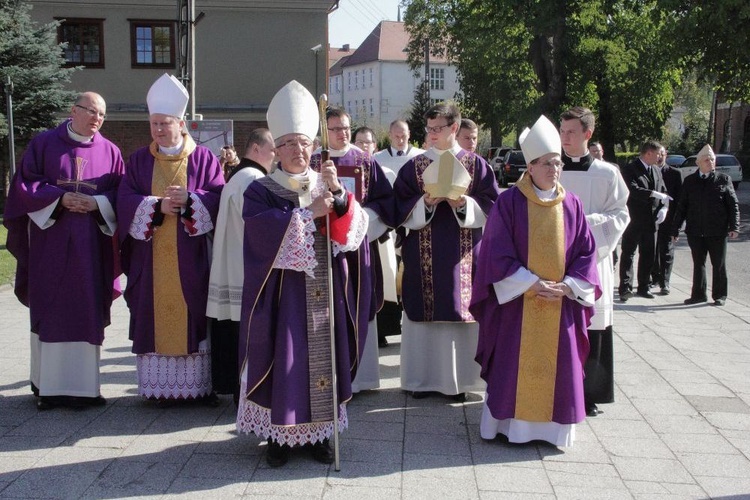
x: 335, y: 54
x: 387, y: 42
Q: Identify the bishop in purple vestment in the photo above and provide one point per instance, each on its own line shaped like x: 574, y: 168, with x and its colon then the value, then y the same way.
x: 287, y: 389
x: 167, y: 206
x: 533, y: 296
x: 61, y: 221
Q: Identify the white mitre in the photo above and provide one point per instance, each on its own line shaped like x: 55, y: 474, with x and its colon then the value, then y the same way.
x: 705, y: 151
x: 167, y: 96
x: 293, y: 110
x: 541, y: 139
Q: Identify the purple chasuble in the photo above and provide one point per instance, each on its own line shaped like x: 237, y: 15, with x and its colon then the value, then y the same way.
x: 65, y: 273
x: 273, y: 328
x: 204, y: 179
x: 439, y: 259
x: 377, y: 195
x: 505, y: 249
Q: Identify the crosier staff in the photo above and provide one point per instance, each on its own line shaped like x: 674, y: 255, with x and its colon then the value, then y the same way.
x: 324, y: 156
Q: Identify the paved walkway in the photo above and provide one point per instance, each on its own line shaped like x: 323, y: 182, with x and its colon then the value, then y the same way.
x: 680, y: 429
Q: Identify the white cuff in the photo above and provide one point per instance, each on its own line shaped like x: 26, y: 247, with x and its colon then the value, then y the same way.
x: 515, y: 285
x: 583, y: 291
x: 108, y: 214
x: 42, y: 217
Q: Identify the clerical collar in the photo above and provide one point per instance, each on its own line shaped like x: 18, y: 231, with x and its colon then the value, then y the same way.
x: 577, y: 163
x: 338, y: 153
x: 77, y: 137
x: 434, y: 153
x: 545, y: 194
x: 174, y: 150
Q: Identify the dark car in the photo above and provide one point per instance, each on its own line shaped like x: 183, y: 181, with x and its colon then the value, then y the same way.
x: 496, y: 160
x: 675, y: 160
x: 513, y: 165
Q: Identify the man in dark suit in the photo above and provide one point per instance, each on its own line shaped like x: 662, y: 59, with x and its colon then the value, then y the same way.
x: 647, y: 205
x: 709, y: 206
x: 662, y: 270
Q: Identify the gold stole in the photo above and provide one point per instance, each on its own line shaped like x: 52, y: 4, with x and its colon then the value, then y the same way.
x: 170, y: 309
x: 540, y: 329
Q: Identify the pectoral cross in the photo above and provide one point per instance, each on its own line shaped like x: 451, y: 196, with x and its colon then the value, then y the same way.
x: 79, y: 164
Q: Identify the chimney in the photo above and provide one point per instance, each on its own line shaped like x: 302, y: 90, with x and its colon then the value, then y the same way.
x: 345, y: 48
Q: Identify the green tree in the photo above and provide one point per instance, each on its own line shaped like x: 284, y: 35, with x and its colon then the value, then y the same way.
x: 419, y: 107
x: 715, y: 38
x: 519, y: 59
x: 31, y: 57
x: 693, y: 101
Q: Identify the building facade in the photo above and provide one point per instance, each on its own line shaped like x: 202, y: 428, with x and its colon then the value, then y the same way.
x: 375, y: 84
x: 245, y: 51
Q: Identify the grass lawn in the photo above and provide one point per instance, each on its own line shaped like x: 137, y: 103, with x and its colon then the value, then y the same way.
x: 7, y: 262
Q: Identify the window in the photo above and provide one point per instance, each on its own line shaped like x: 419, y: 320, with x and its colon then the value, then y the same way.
x: 152, y: 44
x: 372, y: 109
x: 349, y: 80
x: 349, y: 107
x: 84, y: 39
x: 356, y: 79
x: 370, y: 77
x: 437, y: 78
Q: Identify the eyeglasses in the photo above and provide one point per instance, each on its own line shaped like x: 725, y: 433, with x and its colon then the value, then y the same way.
x: 551, y: 164
x: 336, y: 130
x: 364, y: 142
x: 295, y: 144
x: 435, y: 130
x: 92, y: 112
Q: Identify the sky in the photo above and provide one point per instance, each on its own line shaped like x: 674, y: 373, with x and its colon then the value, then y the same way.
x: 355, y: 19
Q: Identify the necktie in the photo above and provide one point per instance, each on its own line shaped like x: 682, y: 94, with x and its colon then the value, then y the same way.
x: 400, y: 153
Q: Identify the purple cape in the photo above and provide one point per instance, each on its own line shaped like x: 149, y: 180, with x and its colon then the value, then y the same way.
x: 67, y: 270
x: 441, y: 294
x: 505, y: 249
x: 377, y: 195
x: 205, y: 179
x: 273, y: 328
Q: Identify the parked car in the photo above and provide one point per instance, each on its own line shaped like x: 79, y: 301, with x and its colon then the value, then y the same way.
x: 726, y: 164
x: 512, y: 167
x: 675, y: 160
x: 496, y: 160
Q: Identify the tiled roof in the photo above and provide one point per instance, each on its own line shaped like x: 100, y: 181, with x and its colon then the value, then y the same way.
x: 387, y: 42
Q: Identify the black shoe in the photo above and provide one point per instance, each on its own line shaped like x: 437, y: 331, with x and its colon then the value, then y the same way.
x: 322, y: 452
x: 460, y: 397
x: 720, y: 302
x: 277, y: 454
x: 645, y: 294
x: 419, y: 394
x: 211, y: 400
x: 84, y: 402
x: 592, y: 410
x: 624, y: 296
x: 45, y: 403
x: 382, y: 342
x: 695, y: 300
